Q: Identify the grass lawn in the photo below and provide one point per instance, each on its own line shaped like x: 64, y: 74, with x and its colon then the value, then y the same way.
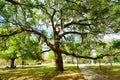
x: 109, y: 72
x: 40, y: 73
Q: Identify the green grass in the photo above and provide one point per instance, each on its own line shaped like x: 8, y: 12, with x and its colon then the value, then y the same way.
x: 109, y: 72
x: 39, y: 73
x: 31, y: 72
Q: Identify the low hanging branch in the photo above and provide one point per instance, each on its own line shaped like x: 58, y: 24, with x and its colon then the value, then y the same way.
x: 46, y: 51
x: 88, y: 57
x: 72, y: 32
x: 12, y: 33
x: 14, y: 2
x: 76, y: 23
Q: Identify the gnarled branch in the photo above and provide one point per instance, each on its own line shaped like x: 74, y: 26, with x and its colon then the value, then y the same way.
x: 76, y: 23
x: 72, y: 32
x: 12, y: 33
x: 89, y: 57
x: 46, y: 51
x: 42, y: 36
x: 14, y: 2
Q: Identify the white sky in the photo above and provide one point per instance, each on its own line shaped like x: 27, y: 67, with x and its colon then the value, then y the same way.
x: 112, y: 36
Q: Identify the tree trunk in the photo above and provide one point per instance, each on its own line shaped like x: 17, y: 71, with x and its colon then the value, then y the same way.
x: 77, y: 63
x: 57, y: 52
x: 12, y: 64
x: 111, y: 60
x: 23, y: 63
x: 72, y: 60
x: 59, y: 61
x: 100, y: 64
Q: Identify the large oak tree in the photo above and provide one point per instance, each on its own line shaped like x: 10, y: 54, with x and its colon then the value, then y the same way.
x: 61, y: 18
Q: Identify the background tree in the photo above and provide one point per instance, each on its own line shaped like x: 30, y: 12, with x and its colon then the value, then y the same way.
x: 51, y: 56
x: 21, y: 46
x: 11, y: 50
x: 115, y: 46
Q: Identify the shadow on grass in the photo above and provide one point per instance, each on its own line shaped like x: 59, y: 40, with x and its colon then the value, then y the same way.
x: 40, y: 73
x: 70, y: 73
x: 27, y: 73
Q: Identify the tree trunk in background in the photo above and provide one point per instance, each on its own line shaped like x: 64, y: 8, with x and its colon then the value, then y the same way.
x: 100, y: 64
x: 72, y: 60
x: 12, y: 64
x: 111, y: 60
x: 59, y: 61
x: 23, y: 63
x: 77, y: 63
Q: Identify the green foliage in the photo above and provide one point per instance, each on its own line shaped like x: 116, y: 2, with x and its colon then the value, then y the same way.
x: 22, y: 46
x: 51, y: 55
x: 116, y: 44
x: 117, y: 59
x: 87, y: 18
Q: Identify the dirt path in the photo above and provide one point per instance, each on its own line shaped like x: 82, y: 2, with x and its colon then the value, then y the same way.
x: 90, y: 75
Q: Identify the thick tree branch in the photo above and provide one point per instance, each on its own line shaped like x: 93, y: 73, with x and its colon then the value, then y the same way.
x: 52, y: 21
x: 42, y: 36
x: 2, y: 6
x: 12, y: 33
x: 14, y: 2
x: 46, y: 51
x: 72, y: 32
x: 89, y: 57
x: 41, y: 5
x: 46, y: 11
x: 76, y: 23
x: 25, y: 4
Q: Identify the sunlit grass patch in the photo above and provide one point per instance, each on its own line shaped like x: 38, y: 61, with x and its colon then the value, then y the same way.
x: 109, y: 72
x: 41, y: 73
x: 26, y: 73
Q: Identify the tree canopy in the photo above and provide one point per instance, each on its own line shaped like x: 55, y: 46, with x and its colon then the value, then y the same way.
x: 53, y: 21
